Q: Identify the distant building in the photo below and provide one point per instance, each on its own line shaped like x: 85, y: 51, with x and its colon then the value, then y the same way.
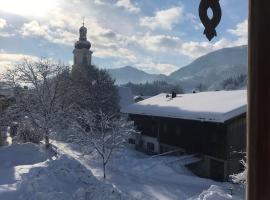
x: 209, y: 124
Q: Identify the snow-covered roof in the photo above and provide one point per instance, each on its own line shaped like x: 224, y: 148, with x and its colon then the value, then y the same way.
x: 216, y: 106
x: 141, y: 96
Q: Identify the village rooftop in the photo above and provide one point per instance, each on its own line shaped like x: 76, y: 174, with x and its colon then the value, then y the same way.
x: 212, y: 106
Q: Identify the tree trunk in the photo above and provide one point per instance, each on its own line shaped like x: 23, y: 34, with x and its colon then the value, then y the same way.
x: 104, y: 170
x: 47, y: 141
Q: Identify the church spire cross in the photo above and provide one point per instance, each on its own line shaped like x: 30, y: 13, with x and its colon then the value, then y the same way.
x: 83, y: 42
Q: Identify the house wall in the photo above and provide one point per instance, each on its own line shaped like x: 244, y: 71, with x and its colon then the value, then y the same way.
x: 215, y: 141
x: 210, y: 167
x: 236, y: 144
x: 149, y: 140
x: 148, y: 126
x: 193, y: 136
x: 236, y: 137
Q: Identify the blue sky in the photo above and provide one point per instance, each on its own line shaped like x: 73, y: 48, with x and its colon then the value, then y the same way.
x: 157, y: 36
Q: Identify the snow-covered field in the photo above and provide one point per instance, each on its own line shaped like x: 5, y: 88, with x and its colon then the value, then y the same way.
x: 142, y: 177
x: 29, y: 172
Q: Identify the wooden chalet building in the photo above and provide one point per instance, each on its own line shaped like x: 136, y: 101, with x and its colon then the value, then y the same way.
x: 209, y: 124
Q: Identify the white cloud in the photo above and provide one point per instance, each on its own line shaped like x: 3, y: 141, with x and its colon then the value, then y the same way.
x: 157, y: 68
x: 194, y: 20
x: 63, y: 28
x: 28, y: 8
x: 196, y: 49
x: 114, y: 51
x: 127, y: 5
x: 33, y: 28
x: 62, y: 23
x: 9, y: 59
x: 241, y: 31
x: 100, y: 2
x: 159, y: 43
x: 163, y: 19
x: 65, y: 18
x: 3, y: 32
x: 3, y: 23
x: 176, y: 46
x: 61, y: 36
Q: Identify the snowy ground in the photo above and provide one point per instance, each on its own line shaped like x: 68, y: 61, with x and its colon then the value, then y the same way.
x: 28, y: 172
x: 142, y: 177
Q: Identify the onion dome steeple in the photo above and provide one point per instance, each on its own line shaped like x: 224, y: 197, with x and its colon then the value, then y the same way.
x: 82, y: 53
x: 83, y: 43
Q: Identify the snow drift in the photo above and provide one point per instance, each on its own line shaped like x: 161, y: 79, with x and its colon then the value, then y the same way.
x: 36, y: 174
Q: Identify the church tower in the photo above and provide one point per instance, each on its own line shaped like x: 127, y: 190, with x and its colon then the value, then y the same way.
x: 82, y: 54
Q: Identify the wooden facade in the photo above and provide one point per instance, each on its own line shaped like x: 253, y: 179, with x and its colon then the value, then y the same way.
x: 258, y: 141
x: 219, y: 144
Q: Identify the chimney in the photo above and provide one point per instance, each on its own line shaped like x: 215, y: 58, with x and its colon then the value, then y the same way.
x: 173, y: 94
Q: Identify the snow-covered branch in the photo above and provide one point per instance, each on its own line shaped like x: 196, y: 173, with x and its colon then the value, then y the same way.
x: 241, y: 178
x: 102, y: 132
x: 39, y: 90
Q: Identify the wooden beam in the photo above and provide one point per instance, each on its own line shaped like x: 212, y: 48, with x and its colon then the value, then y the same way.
x: 258, y: 187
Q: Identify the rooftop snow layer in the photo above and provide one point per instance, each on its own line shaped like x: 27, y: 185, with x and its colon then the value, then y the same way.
x: 216, y: 106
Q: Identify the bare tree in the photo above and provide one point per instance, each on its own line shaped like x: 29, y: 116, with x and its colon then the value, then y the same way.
x: 39, y: 90
x: 100, y: 132
x: 109, y: 135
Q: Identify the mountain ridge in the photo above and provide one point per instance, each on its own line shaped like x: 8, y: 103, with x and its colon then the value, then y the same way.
x: 208, y: 70
x: 126, y: 74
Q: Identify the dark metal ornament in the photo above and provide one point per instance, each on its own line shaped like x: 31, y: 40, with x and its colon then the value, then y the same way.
x: 210, y: 24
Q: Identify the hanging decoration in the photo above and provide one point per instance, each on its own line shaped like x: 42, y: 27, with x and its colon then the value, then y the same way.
x: 210, y: 24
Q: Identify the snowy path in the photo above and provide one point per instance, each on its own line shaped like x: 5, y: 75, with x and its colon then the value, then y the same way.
x: 141, y: 177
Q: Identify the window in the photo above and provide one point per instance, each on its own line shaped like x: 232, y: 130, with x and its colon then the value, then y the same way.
x: 150, y: 147
x: 131, y: 141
